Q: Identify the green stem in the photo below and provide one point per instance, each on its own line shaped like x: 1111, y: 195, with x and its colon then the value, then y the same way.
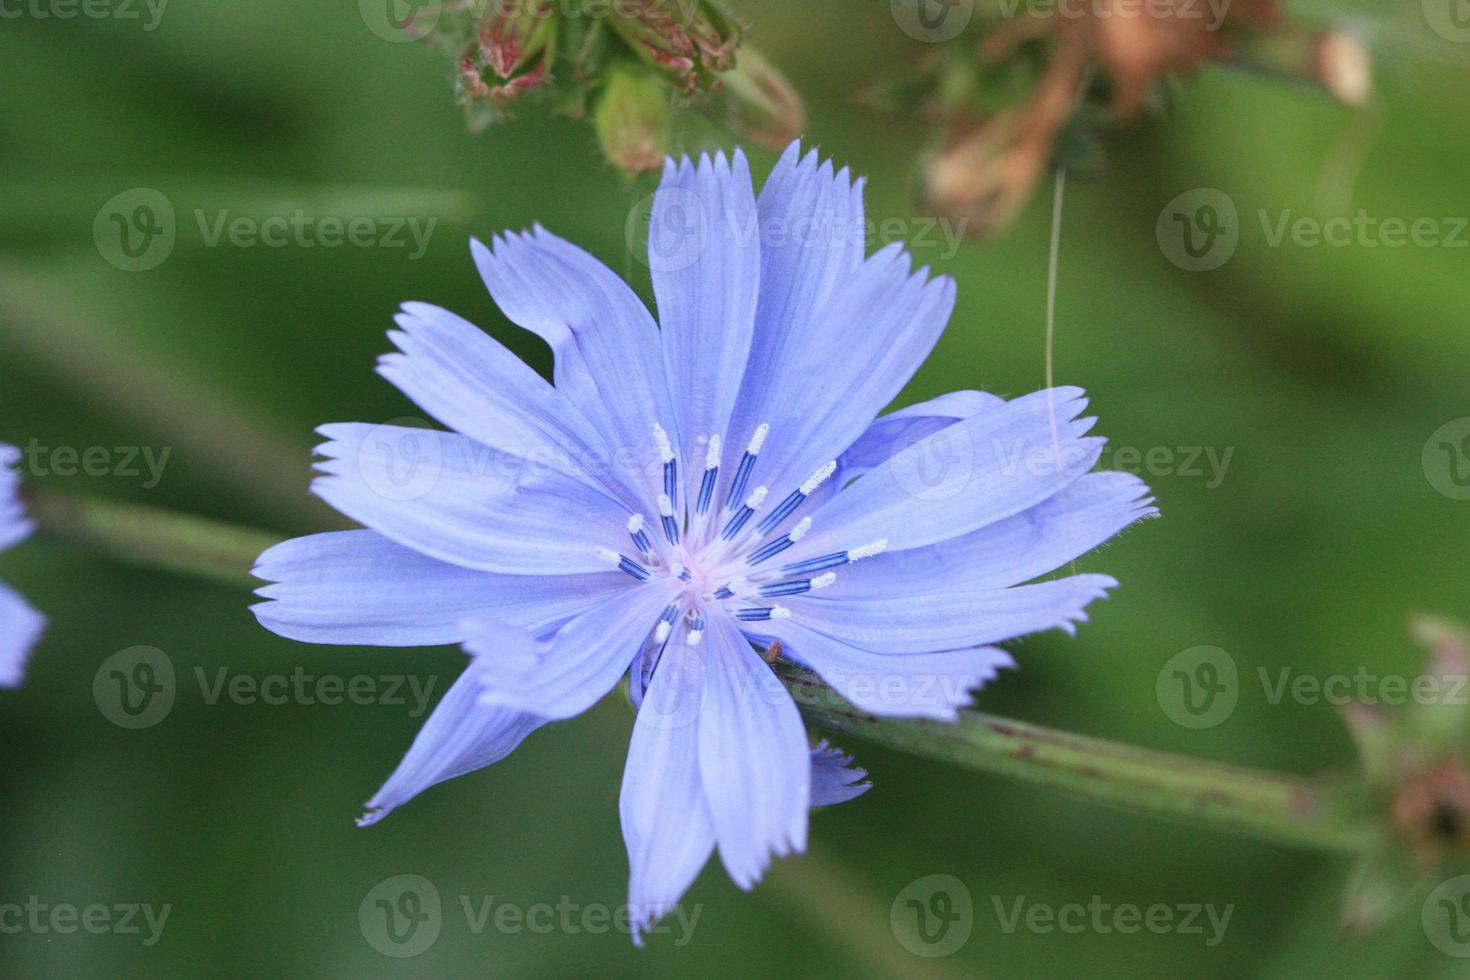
x: 1281, y: 807
x: 153, y: 538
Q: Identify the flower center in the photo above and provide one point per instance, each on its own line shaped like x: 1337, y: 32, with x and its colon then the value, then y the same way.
x: 723, y: 546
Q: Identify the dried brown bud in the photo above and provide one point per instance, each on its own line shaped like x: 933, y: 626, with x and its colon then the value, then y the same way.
x: 762, y: 105
x: 1432, y: 811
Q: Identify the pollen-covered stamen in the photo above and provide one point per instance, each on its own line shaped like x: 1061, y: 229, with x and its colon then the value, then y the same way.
x: 798, y: 586
x: 836, y: 558
x: 639, y: 536
x: 796, y: 498
x: 738, y: 519
x: 671, y: 464
x: 773, y: 548
x: 696, y: 631
x: 666, y: 516
x: 736, y: 587
x: 624, y: 563
x: 679, y: 570
x: 665, y: 624
x: 747, y: 463
x: 759, y: 614
x: 711, y: 476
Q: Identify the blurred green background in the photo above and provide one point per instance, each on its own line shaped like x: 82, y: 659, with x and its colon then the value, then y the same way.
x: 1324, y: 370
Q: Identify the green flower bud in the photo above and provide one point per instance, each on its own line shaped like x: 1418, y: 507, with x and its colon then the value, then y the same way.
x: 632, y: 119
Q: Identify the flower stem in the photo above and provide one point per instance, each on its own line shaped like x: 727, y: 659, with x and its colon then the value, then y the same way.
x: 1285, y: 808
x: 1281, y: 807
x: 152, y: 538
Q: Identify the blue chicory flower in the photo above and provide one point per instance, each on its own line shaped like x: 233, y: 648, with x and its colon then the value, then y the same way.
x: 20, y: 625
x: 689, y: 493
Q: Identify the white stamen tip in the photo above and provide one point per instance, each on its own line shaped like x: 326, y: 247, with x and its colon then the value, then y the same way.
x: 759, y: 439
x: 635, y: 524
x: 661, y: 632
x: 818, y: 478
x: 822, y: 581
x: 799, y: 531
x: 868, y: 550
x: 757, y: 497
x: 739, y: 586
x: 677, y: 569
x: 712, y: 458
x: 694, y: 637
x: 665, y: 447
x: 611, y: 557
x: 780, y: 612
x: 665, y: 505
